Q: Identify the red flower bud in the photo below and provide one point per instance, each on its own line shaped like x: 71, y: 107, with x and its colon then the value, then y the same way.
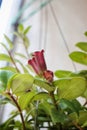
x: 38, y: 62
x: 39, y: 65
x: 48, y: 75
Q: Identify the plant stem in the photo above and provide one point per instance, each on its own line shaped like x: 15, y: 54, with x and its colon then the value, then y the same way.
x: 19, y: 109
x: 53, y: 99
x: 13, y: 61
x: 77, y: 126
x: 55, y: 104
x: 36, y: 115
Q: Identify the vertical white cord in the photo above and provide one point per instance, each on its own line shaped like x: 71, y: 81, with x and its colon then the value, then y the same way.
x: 62, y: 35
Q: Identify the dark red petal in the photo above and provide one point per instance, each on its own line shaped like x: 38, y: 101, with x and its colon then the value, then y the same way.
x: 34, y: 65
x: 40, y: 58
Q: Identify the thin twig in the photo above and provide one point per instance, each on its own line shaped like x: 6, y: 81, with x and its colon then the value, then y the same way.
x: 13, y: 61
x: 53, y: 99
x: 19, y: 109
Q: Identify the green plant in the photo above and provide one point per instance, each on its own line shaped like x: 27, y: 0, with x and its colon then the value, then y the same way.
x: 41, y: 100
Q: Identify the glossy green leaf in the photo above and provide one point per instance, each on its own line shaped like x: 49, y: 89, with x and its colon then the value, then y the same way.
x: 25, y: 99
x: 71, y: 88
x: 21, y: 83
x: 79, y: 57
x: 46, y: 107
x: 82, y: 46
x: 67, y: 74
x: 77, y: 104
x: 40, y: 96
x: 64, y: 104
x: 27, y: 30
x: 9, y: 41
x: 57, y: 117
x: 81, y: 119
x: 5, y: 57
x: 62, y: 73
x: 4, y: 77
x: 43, y: 85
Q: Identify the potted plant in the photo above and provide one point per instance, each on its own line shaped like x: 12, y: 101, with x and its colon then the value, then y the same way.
x: 44, y: 99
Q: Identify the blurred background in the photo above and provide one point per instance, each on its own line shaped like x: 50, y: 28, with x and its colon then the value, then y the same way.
x: 56, y: 26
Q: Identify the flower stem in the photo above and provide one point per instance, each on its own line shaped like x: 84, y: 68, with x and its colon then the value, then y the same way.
x: 58, y: 125
x: 53, y: 99
x: 19, y: 109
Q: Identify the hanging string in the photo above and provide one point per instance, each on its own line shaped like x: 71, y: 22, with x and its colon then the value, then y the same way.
x: 46, y: 27
x: 59, y: 28
x: 41, y: 27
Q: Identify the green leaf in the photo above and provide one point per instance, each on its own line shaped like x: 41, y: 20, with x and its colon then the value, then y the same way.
x: 21, y: 55
x: 79, y: 57
x: 9, y: 68
x: 20, y: 28
x: 85, y: 33
x: 83, y: 73
x: 82, y: 46
x: 27, y: 30
x: 24, y: 68
x: 71, y: 88
x: 5, y: 57
x: 46, y: 107
x: 4, y: 100
x: 62, y: 73
x: 40, y: 96
x: 9, y: 41
x: 64, y: 104
x: 57, y: 117
x: 25, y: 99
x: 43, y: 85
x: 81, y: 119
x: 17, y: 34
x: 77, y: 104
x: 21, y: 83
x: 4, y: 46
x: 4, y: 77
x: 67, y: 74
x: 85, y: 124
x: 85, y: 94
x: 26, y: 41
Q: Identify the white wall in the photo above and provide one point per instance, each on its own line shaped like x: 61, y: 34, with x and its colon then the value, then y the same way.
x: 71, y: 20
